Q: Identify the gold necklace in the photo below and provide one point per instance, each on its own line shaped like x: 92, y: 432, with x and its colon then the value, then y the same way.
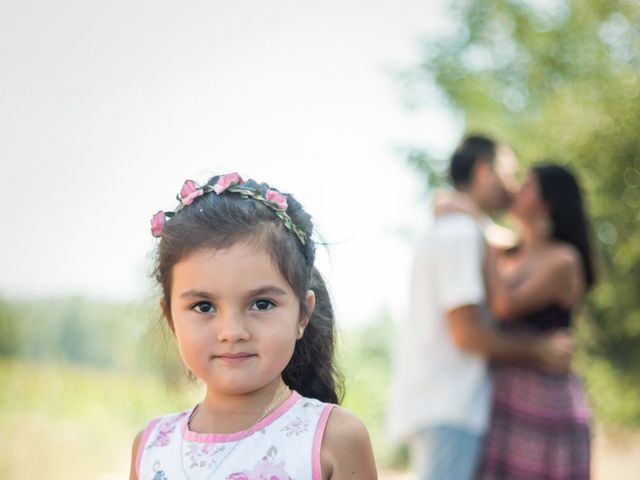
x: 279, y: 396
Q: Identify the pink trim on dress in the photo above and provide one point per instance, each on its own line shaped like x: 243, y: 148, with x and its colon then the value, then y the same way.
x: 143, y: 441
x: 317, y: 442
x: 233, y: 437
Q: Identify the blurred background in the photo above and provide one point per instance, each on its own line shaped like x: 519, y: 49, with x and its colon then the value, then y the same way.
x: 107, y: 107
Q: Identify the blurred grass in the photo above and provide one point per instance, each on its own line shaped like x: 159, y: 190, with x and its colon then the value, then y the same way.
x: 63, y: 421
x: 71, y: 422
x: 79, y: 385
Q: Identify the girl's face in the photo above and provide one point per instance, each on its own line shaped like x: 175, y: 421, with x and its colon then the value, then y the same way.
x: 235, y: 317
x: 529, y: 204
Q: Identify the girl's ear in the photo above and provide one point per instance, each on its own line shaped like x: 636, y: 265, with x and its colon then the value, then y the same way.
x: 310, y: 302
x: 166, y: 313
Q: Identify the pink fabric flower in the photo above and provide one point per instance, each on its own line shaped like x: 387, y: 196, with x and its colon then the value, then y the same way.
x: 277, y: 198
x: 238, y: 476
x: 189, y: 192
x: 263, y: 470
x: 226, y: 181
x: 157, y: 223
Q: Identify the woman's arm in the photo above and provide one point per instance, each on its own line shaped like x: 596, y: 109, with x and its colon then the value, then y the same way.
x: 346, y: 448
x: 555, y: 278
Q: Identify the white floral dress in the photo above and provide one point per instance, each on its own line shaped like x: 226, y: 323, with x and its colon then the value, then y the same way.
x: 285, y: 445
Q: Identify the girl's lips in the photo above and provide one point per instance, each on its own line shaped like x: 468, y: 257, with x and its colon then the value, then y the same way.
x: 234, y: 358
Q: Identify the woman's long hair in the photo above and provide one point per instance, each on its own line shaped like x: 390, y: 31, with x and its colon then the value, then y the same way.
x: 561, y: 192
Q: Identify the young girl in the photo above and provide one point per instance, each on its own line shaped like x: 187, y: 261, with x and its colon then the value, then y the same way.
x: 253, y: 321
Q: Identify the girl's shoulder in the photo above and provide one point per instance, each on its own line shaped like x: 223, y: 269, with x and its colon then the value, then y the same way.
x: 159, y: 431
x: 346, y: 447
x: 345, y: 425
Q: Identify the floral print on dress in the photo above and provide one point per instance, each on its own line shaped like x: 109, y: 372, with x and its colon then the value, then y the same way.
x: 282, y: 449
x: 159, y: 474
x: 202, y: 454
x: 314, y: 405
x: 165, y: 431
x: 265, y: 469
x: 295, y: 427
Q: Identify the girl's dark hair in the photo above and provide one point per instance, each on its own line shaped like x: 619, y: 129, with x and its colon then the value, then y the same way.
x: 219, y: 221
x: 561, y: 192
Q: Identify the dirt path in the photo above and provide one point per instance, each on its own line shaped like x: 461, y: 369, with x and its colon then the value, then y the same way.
x: 616, y: 454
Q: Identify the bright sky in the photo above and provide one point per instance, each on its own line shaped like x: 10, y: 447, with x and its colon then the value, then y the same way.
x: 107, y: 107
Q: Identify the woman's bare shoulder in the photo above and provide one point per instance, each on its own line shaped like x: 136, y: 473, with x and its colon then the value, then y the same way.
x: 564, y: 256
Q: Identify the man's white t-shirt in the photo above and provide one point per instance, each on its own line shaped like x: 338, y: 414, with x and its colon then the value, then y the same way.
x: 436, y: 383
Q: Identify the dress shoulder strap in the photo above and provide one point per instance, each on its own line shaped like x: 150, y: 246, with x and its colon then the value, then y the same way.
x: 158, y: 432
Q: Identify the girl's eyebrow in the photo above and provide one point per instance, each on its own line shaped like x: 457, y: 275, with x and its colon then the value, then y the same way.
x: 266, y: 290
x: 196, y: 294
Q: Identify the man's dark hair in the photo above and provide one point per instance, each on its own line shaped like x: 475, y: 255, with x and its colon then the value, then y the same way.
x: 471, y: 149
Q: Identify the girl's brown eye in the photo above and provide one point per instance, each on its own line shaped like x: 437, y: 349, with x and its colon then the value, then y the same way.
x: 262, y: 305
x: 203, y: 307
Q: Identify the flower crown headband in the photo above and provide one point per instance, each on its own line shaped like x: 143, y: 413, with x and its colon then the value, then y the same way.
x: 233, y: 183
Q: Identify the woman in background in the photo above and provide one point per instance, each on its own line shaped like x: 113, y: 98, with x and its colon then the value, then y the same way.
x: 540, y: 421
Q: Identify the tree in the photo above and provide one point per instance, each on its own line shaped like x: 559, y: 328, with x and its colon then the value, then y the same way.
x: 560, y: 80
x: 10, y: 334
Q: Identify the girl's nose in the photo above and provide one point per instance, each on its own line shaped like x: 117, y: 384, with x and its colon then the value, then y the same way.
x: 231, y: 327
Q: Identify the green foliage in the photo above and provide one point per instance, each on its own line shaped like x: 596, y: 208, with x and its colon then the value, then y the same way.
x: 561, y: 80
x: 9, y: 331
x: 433, y: 169
x: 365, y: 358
x: 115, y: 335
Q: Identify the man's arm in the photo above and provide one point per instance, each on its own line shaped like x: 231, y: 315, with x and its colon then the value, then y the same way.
x: 552, y: 353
